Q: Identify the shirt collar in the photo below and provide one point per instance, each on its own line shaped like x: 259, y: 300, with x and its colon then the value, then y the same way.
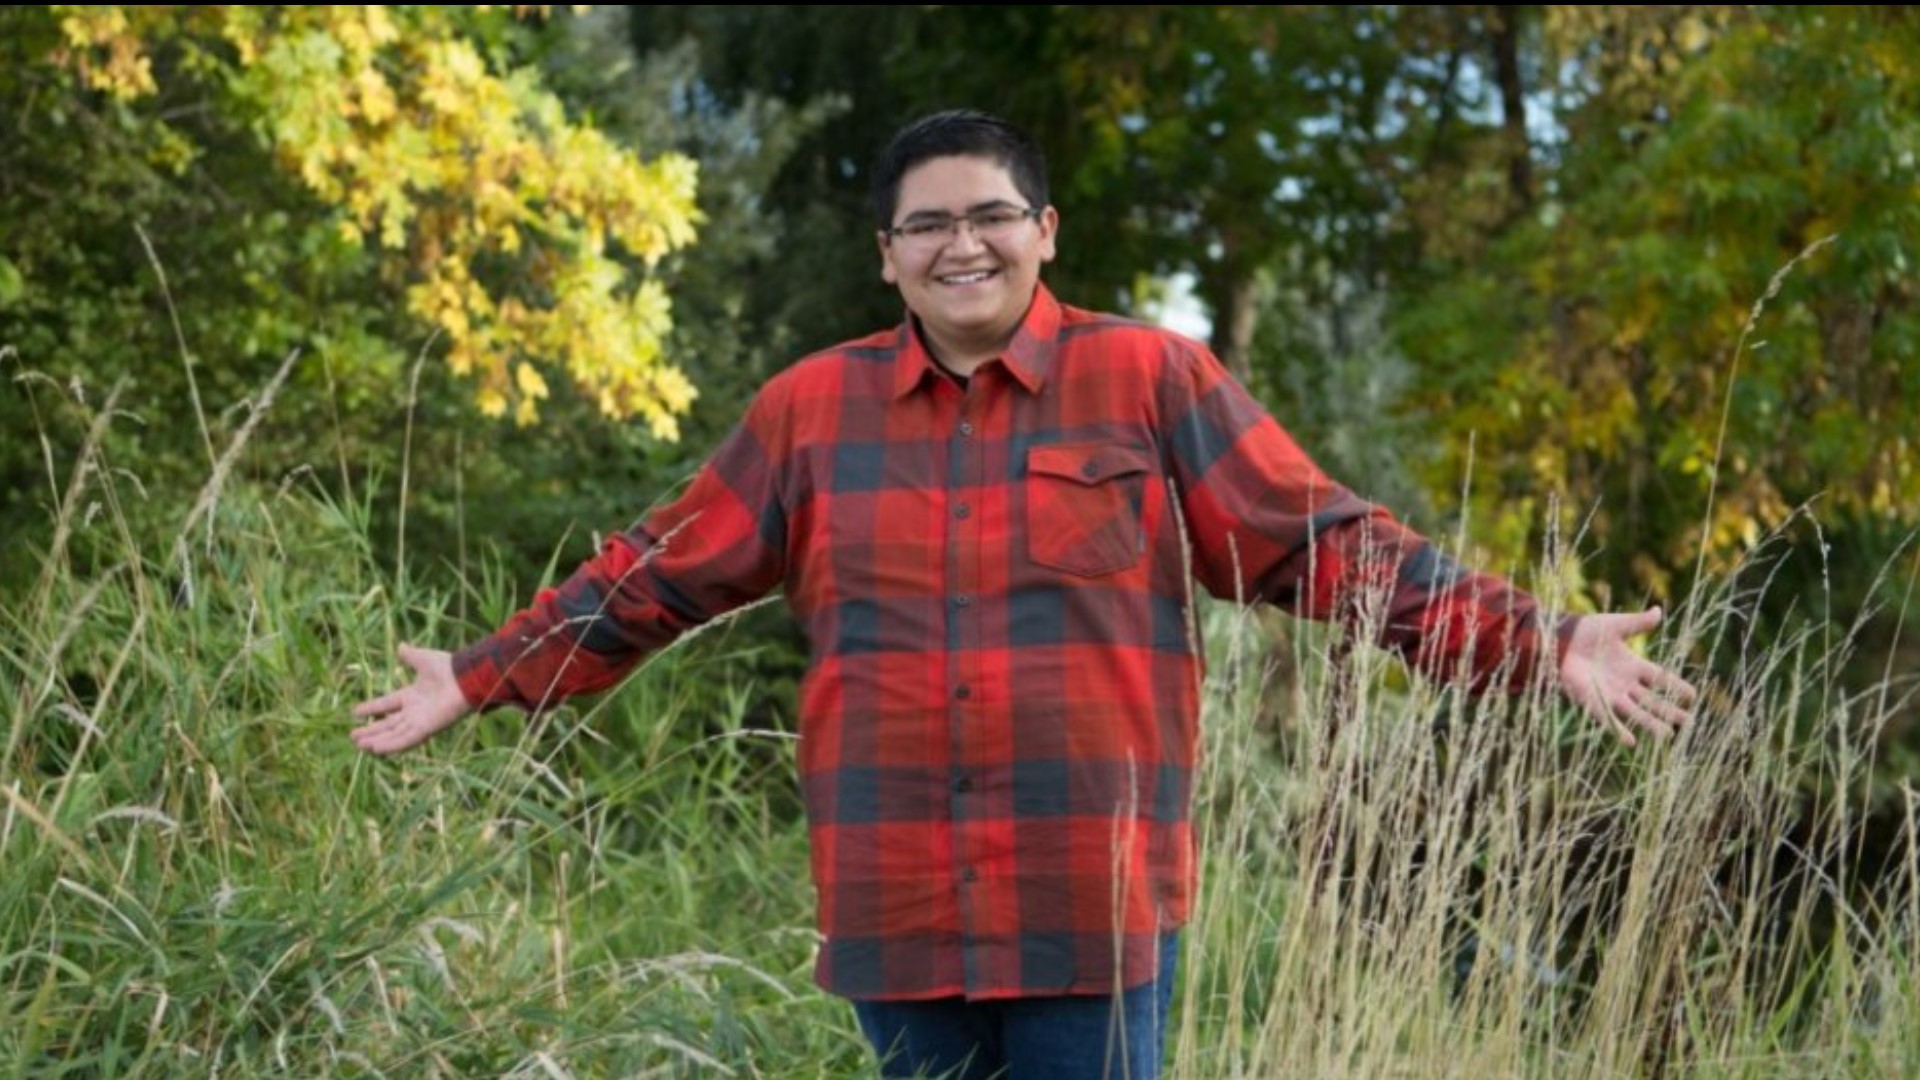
x: 1028, y: 357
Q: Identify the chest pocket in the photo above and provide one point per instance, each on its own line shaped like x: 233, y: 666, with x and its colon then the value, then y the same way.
x: 1083, y: 506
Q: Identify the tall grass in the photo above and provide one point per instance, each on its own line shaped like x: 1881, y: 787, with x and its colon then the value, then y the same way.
x: 1426, y: 886
x: 202, y: 877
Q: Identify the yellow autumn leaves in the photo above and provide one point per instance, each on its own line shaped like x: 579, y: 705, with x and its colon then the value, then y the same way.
x: 516, y: 228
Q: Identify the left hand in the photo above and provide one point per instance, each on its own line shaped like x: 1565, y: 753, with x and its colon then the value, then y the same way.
x: 417, y: 711
x: 1618, y: 687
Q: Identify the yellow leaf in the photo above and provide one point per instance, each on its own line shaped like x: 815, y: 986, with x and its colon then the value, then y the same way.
x: 531, y: 385
x: 492, y: 402
x: 517, y: 225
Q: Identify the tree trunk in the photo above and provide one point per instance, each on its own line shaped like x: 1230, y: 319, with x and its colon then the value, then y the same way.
x: 1513, y: 106
x: 1234, y: 302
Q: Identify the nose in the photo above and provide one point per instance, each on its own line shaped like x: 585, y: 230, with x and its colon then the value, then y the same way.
x: 964, y: 238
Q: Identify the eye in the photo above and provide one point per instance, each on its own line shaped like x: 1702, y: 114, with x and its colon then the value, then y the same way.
x: 925, y: 228
x: 999, y: 217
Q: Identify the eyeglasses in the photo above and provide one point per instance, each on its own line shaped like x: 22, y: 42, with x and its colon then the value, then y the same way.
x: 987, y: 223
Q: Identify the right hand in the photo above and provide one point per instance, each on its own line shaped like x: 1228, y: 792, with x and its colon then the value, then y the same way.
x: 411, y: 715
x: 1617, y: 687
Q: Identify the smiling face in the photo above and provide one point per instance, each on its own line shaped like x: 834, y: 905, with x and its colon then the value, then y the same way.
x: 969, y: 291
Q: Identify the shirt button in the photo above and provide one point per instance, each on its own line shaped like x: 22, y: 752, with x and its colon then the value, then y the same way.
x: 962, y: 511
x: 969, y: 874
x: 966, y: 429
x: 1089, y: 470
x: 963, y: 692
x: 962, y: 600
x: 963, y: 785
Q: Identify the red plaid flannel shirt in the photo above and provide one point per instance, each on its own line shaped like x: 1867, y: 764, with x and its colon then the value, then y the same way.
x: 998, y: 722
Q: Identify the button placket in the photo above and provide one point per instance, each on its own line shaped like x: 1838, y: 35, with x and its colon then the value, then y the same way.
x: 962, y: 533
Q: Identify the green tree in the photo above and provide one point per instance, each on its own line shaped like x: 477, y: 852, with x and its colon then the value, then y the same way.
x: 189, y: 194
x: 1592, y: 343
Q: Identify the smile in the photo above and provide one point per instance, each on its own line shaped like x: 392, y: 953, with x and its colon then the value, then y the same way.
x: 970, y: 278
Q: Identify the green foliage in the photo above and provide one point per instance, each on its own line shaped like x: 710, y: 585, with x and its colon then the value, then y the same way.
x: 202, y: 872
x: 1595, y: 345
x: 188, y: 284
x: 510, y: 228
x: 202, y: 877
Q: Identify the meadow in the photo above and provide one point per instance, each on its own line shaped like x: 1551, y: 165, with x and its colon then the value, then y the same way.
x: 203, y: 877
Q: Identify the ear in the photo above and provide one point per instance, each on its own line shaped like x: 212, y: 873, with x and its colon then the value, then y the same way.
x: 1049, y: 228
x: 888, y: 272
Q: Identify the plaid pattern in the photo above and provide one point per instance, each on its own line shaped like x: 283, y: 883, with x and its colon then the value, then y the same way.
x: 998, y: 724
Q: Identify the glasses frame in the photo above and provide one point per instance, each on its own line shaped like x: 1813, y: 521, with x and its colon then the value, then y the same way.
x: 950, y: 225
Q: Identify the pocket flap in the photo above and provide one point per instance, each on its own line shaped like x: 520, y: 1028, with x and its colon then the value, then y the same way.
x: 1086, y: 463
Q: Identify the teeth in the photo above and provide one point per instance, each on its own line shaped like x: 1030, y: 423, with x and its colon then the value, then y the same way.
x: 967, y: 279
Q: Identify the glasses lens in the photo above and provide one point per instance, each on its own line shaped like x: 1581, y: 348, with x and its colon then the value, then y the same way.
x: 996, y: 221
x: 991, y: 223
x: 926, y: 230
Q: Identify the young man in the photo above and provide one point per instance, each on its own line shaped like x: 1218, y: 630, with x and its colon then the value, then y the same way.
x: 988, y: 519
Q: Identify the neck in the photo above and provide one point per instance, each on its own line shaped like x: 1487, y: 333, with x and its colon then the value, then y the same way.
x: 963, y: 365
x: 962, y: 358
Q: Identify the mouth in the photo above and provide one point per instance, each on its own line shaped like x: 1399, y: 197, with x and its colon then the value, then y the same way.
x: 971, y: 277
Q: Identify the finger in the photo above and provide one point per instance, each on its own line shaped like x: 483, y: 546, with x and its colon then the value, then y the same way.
x: 1658, y: 680
x: 382, y: 746
x: 413, y: 656
x: 367, y: 731
x: 1639, y: 622
x: 379, y: 706
x: 1644, y: 717
x: 1671, y: 685
x: 1622, y: 732
x: 1598, y: 708
x: 1666, y: 711
x: 373, y: 744
x: 388, y: 738
x: 1669, y: 713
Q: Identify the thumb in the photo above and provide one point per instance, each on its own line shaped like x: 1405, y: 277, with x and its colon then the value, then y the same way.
x: 414, y: 657
x: 1640, y: 622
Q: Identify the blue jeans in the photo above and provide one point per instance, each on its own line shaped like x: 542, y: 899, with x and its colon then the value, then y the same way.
x: 1048, y: 1038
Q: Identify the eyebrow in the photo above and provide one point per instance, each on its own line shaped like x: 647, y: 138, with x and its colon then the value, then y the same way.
x: 990, y: 204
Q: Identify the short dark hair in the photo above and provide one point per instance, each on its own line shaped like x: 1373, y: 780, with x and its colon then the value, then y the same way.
x: 957, y: 133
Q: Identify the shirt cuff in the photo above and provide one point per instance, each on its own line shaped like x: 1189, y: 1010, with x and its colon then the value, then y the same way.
x: 1562, y: 641
x: 480, y: 682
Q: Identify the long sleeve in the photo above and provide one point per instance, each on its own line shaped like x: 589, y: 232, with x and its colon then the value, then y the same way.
x: 1264, y: 522
x: 720, y: 545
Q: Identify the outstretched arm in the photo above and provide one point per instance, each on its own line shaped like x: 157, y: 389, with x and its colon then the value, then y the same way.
x: 718, y: 546
x: 1619, y: 687
x: 1257, y: 510
x: 411, y: 715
